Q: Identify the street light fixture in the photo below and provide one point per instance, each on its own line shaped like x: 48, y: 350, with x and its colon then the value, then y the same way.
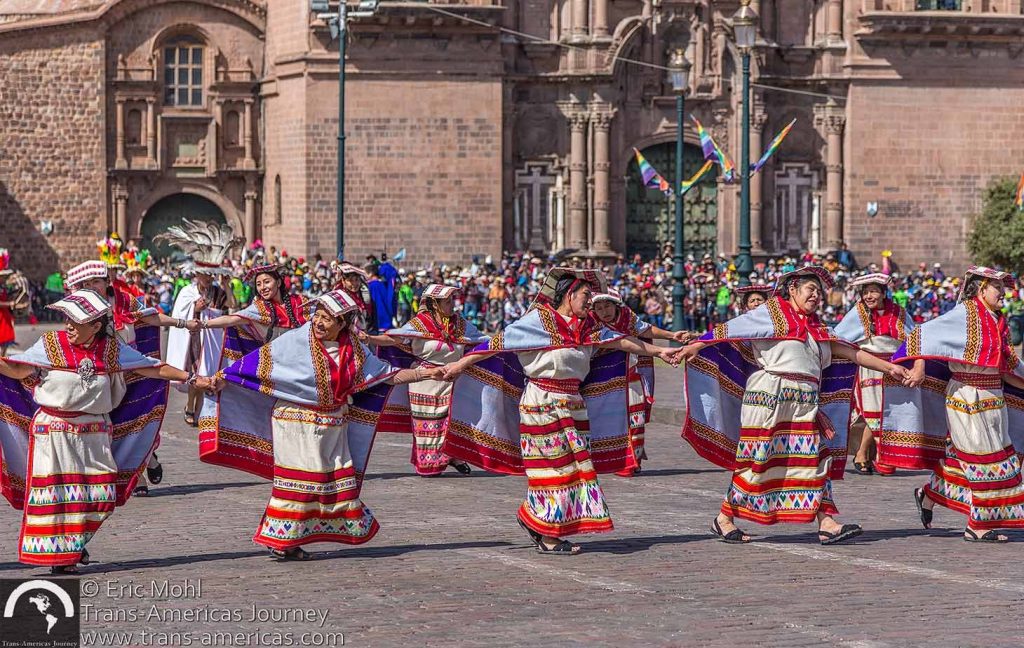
x: 337, y: 22
x: 744, y: 23
x: 679, y: 79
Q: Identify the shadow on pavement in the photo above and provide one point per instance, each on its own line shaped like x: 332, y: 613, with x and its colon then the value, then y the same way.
x: 448, y: 474
x: 635, y: 544
x: 398, y: 550
x: 670, y: 472
x: 189, y: 489
x: 98, y: 567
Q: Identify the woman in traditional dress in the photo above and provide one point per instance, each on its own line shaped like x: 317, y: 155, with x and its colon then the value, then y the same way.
x: 353, y: 282
x: 955, y: 417
x: 613, y: 313
x: 566, y: 424
x: 11, y: 297
x: 75, y: 444
x: 785, y: 437
x: 436, y: 336
x: 750, y: 297
x: 879, y: 326
x: 303, y: 412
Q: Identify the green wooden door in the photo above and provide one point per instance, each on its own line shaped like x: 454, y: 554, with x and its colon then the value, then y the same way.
x: 650, y: 216
x: 169, y: 211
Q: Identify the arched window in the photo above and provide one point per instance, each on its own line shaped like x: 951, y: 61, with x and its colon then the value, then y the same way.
x: 232, y: 128
x: 133, y: 127
x: 277, y: 200
x: 183, y: 72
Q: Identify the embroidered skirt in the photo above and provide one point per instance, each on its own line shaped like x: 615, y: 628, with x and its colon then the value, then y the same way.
x: 980, y: 474
x: 868, y: 395
x: 316, y: 488
x: 563, y: 497
x: 782, y: 465
x: 639, y: 415
x: 429, y: 401
x: 71, y: 489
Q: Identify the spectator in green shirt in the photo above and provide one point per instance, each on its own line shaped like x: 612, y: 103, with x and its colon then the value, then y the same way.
x: 406, y: 299
x: 723, y: 298
x: 901, y: 297
x: 241, y: 291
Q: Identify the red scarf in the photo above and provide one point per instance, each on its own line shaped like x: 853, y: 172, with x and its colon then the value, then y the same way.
x: 799, y: 325
x: 574, y: 330
x: 625, y: 322
x: 125, y: 303
x: 994, y: 347
x: 281, y: 313
x: 64, y: 355
x: 888, y: 321
x: 343, y: 372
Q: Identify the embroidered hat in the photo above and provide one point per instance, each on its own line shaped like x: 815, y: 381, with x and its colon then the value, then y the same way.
x: 439, y: 291
x: 271, y: 268
x: 819, y: 273
x: 595, y: 278
x: 879, y: 278
x: 983, y: 272
x: 764, y: 289
x: 82, y: 306
x: 346, y: 268
x: 611, y: 295
x: 85, y: 271
x: 336, y: 302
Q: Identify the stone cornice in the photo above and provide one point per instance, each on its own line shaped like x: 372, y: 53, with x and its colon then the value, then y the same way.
x: 897, y: 26
x: 252, y: 11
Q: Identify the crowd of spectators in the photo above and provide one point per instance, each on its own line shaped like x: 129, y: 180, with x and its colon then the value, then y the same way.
x: 497, y: 291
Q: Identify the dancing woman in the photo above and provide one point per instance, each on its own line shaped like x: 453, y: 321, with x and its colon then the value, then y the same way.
x: 879, y: 326
x: 764, y: 399
x: 436, y: 336
x: 77, y: 433
x: 539, y: 402
x: 612, y: 312
x: 956, y: 418
x: 309, y: 403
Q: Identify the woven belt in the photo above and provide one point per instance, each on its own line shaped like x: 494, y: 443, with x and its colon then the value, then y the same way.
x: 558, y: 386
x: 795, y: 376
x: 984, y: 381
x: 59, y: 413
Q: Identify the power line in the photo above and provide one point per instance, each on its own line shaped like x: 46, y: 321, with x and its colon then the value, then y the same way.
x: 548, y: 41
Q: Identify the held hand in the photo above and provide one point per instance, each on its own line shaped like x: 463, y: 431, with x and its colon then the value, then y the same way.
x: 451, y: 371
x: 192, y: 326
x: 914, y: 378
x: 362, y: 336
x: 434, y: 373
x: 217, y: 383
x: 200, y: 305
x: 670, y: 356
x: 684, y: 337
x: 899, y: 373
x: 204, y: 383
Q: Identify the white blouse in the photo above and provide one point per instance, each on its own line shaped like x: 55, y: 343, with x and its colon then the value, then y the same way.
x: 69, y: 392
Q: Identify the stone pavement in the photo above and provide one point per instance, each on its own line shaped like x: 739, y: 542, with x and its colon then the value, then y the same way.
x: 451, y: 567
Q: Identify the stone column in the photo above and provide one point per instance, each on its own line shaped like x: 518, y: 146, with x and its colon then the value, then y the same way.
x: 121, y: 209
x: 151, y: 131
x: 578, y: 180
x: 580, y: 19
x: 250, y: 210
x: 121, y: 162
x: 601, y: 121
x: 831, y: 118
x: 249, y: 162
x: 758, y: 118
x: 600, y: 18
x: 834, y: 33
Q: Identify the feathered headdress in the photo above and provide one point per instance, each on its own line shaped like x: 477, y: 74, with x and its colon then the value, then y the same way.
x: 110, y: 250
x: 206, y: 244
x: 136, y: 261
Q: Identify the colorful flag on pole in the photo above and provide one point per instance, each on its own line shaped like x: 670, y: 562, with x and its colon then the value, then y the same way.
x: 772, y: 148
x: 688, y: 184
x: 1019, y: 197
x: 652, y: 179
x: 713, y: 152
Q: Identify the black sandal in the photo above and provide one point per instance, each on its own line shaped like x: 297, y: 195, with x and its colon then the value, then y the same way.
x: 536, y: 537
x: 190, y: 418
x: 848, y: 531
x: 84, y: 559
x: 563, y: 548
x: 733, y: 537
x: 926, y: 514
x: 64, y: 569
x: 141, y: 491
x: 155, y: 475
x: 298, y: 554
x: 862, y: 467
x: 462, y: 467
x: 988, y: 536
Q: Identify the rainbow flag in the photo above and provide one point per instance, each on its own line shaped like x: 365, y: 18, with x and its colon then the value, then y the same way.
x: 1019, y: 197
x: 688, y: 184
x: 772, y: 148
x: 713, y: 152
x: 652, y: 179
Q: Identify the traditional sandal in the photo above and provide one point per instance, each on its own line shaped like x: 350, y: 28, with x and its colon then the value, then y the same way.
x: 155, y: 475
x: 536, y: 537
x: 462, y: 467
x: 297, y: 554
x: 988, y: 536
x: 190, y: 418
x: 862, y: 467
x: 563, y: 548
x: 84, y: 559
x: 141, y: 491
x: 733, y: 537
x: 63, y: 569
x: 848, y: 531
x: 926, y: 514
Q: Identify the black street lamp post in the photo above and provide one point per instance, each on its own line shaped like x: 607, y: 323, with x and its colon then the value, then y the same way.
x: 679, y: 78
x: 744, y: 23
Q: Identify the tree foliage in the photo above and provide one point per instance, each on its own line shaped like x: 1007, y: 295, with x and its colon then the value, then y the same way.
x: 998, y: 235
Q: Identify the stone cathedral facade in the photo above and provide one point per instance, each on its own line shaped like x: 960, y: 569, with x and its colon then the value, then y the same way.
x: 464, y: 139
